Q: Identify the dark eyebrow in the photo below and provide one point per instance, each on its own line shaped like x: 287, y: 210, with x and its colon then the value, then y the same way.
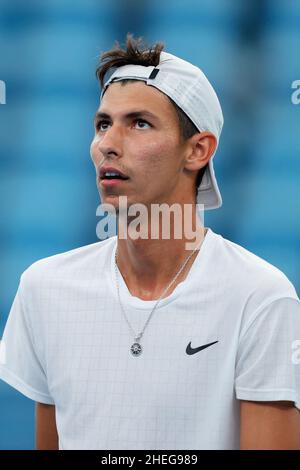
x: 133, y: 115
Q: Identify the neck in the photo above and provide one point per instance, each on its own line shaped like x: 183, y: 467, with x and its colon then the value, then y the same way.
x: 148, y: 265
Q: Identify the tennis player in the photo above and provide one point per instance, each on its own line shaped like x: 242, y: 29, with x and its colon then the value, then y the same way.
x: 138, y: 342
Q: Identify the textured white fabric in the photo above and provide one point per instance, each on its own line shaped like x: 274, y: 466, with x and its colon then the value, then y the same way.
x: 67, y: 344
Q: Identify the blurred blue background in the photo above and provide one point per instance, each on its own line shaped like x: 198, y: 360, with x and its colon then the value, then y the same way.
x: 48, y: 54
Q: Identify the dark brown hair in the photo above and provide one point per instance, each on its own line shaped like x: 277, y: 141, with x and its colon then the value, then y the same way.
x: 138, y: 53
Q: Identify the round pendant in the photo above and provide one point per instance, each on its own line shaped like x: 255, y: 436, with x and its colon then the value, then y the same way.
x: 136, y: 349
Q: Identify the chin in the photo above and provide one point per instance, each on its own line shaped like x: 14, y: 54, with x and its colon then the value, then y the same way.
x: 111, y: 199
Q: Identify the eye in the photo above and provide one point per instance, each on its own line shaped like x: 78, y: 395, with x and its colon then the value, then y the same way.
x: 139, y: 121
x: 101, y: 125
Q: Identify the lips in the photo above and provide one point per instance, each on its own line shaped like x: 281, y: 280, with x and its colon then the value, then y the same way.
x: 109, y: 169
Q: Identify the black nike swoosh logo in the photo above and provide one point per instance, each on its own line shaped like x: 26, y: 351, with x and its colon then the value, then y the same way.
x: 190, y: 350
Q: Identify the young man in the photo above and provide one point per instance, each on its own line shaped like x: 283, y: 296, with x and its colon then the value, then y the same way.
x: 141, y: 343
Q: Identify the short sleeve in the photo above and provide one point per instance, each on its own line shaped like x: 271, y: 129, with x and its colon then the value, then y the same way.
x: 20, y: 365
x: 268, y: 359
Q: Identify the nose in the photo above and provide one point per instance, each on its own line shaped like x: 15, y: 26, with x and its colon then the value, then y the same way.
x: 110, y: 143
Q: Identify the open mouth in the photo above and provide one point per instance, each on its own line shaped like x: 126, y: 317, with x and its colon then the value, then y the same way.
x: 111, y: 178
x: 115, y: 176
x: 109, y: 173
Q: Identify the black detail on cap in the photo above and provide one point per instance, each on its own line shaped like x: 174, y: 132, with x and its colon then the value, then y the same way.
x: 153, y: 74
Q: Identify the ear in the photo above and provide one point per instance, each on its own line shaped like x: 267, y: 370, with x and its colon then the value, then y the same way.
x: 200, y: 148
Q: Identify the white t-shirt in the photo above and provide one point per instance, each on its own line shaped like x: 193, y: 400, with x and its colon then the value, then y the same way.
x: 67, y: 343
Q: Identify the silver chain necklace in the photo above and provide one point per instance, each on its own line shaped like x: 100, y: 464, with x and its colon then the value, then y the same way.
x: 136, y: 348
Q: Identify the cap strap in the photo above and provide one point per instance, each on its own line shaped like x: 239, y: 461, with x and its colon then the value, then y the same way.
x: 153, y: 74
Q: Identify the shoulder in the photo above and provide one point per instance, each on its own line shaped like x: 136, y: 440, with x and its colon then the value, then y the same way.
x: 250, y: 274
x: 82, y: 261
x: 253, y: 288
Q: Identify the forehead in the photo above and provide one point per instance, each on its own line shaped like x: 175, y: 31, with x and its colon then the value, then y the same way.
x: 120, y: 97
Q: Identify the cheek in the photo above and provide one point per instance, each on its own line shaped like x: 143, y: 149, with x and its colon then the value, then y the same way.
x: 153, y: 156
x: 94, y: 152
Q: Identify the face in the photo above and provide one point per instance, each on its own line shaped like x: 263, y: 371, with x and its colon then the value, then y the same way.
x: 137, y: 132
